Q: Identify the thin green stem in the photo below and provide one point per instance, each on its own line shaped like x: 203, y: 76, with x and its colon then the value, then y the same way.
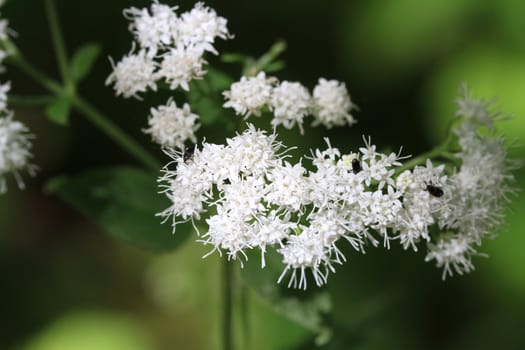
x: 49, y: 84
x: 244, y: 313
x: 422, y: 158
x: 227, y: 294
x: 30, y: 100
x: 59, y: 45
x: 114, y: 132
x: 90, y: 113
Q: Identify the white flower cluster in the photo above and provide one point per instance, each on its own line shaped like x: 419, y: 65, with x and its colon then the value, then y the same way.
x: 257, y: 199
x: 290, y: 102
x: 253, y: 198
x: 171, y: 126
x: 171, y: 48
x: 5, y: 32
x: 477, y: 192
x: 15, y: 140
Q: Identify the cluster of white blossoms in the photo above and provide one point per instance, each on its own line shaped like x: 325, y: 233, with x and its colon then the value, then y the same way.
x: 170, y: 48
x: 290, y: 102
x: 15, y: 139
x: 252, y: 197
x: 171, y: 126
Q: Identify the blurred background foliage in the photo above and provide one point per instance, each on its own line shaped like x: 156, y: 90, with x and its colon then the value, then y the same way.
x: 66, y: 285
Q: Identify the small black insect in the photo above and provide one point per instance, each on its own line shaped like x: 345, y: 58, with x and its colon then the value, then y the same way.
x: 434, y: 190
x: 356, y: 166
x: 188, y: 154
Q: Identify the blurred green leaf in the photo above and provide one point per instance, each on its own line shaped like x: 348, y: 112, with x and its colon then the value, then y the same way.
x: 124, y: 202
x: 233, y: 57
x: 275, y: 66
x: 93, y: 331
x: 307, y: 309
x: 206, y: 99
x: 83, y: 60
x: 58, y: 111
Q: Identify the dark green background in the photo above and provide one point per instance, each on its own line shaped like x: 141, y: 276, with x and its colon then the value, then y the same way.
x: 65, y: 285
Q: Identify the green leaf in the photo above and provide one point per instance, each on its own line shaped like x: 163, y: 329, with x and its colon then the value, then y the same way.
x: 205, y: 97
x: 58, y: 111
x: 83, y: 60
x: 275, y: 66
x: 230, y: 57
x: 124, y: 202
x: 307, y: 309
x: 218, y: 80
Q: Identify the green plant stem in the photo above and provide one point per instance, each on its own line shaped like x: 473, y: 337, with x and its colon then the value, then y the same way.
x: 227, y: 294
x: 438, y: 151
x: 59, y: 46
x: 89, y: 112
x: 244, y: 313
x: 114, y: 132
x: 30, y: 100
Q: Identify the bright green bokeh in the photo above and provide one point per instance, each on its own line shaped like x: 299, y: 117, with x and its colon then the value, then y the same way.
x: 392, y: 36
x: 92, y: 331
x: 489, y: 73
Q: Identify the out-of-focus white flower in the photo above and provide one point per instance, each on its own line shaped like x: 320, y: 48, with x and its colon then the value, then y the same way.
x: 4, y: 29
x: 171, y: 126
x: 154, y: 28
x: 15, y: 151
x: 199, y: 28
x: 474, y: 110
x: 133, y: 74
x: 452, y: 252
x: 4, y: 89
x: 250, y: 95
x: 181, y: 65
x: 331, y: 104
x: 290, y: 104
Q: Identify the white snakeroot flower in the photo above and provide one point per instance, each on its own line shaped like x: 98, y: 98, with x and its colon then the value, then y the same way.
x: 331, y: 104
x: 154, y: 28
x: 15, y: 151
x: 228, y: 232
x: 171, y: 126
x: 270, y: 230
x: 181, y: 65
x: 263, y: 202
x: 133, y: 74
x: 476, y: 111
x: 302, y: 252
x: 199, y: 28
x: 290, y: 103
x: 253, y: 152
x: 4, y: 29
x: 452, y: 252
x: 4, y: 89
x: 250, y: 95
x: 416, y: 215
x: 242, y: 198
x: 430, y: 175
x: 289, y: 187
